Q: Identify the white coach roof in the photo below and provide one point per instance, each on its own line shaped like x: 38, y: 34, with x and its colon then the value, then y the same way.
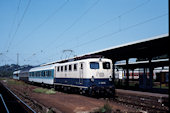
x: 47, y: 67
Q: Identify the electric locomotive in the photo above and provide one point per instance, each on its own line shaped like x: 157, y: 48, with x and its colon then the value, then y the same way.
x: 92, y: 76
x: 89, y: 76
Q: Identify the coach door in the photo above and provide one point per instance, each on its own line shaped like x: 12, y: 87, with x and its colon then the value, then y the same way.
x: 81, y: 72
x: 55, y: 71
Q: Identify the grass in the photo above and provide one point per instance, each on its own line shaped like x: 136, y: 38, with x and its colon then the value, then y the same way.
x: 163, y: 86
x: 104, y: 109
x: 12, y: 81
x: 2, y: 78
x: 44, y: 91
x: 15, y: 82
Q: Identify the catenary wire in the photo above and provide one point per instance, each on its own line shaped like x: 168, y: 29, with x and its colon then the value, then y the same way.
x: 13, y: 22
x: 118, y: 31
x: 123, y: 29
x: 74, y: 23
x: 106, y: 22
x: 42, y: 23
x: 18, y: 25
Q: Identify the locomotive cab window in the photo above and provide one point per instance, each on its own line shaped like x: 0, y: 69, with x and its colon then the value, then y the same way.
x: 94, y: 65
x: 106, y: 65
x: 65, y: 68
x: 61, y: 68
x: 75, y: 67
x: 58, y: 68
x: 81, y: 66
x: 70, y: 67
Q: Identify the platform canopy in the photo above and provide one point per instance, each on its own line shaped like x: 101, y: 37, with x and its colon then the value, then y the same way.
x: 143, y: 49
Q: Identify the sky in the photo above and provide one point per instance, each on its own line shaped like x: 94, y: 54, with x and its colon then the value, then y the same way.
x: 42, y: 31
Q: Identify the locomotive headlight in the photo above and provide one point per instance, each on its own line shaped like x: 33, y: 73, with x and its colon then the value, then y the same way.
x: 110, y: 78
x: 92, y: 79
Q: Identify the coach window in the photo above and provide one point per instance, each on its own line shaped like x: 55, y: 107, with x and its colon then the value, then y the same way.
x: 49, y: 73
x: 46, y: 73
x: 106, y: 65
x: 66, y: 68
x: 43, y: 73
x: 39, y: 73
x: 94, y: 65
x: 75, y: 67
x: 70, y: 67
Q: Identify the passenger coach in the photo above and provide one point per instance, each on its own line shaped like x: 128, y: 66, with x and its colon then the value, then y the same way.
x: 42, y: 75
x: 16, y: 75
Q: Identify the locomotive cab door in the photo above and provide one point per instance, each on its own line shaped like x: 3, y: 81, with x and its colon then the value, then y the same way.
x: 81, y: 68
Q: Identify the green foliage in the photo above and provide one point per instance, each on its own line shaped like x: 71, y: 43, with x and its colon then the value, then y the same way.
x: 7, y: 70
x: 44, y: 90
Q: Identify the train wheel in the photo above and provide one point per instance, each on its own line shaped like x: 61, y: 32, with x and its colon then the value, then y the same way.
x: 80, y: 91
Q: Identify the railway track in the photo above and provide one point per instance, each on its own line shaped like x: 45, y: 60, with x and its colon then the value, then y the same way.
x: 10, y: 103
x: 148, y: 102
x: 143, y: 101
